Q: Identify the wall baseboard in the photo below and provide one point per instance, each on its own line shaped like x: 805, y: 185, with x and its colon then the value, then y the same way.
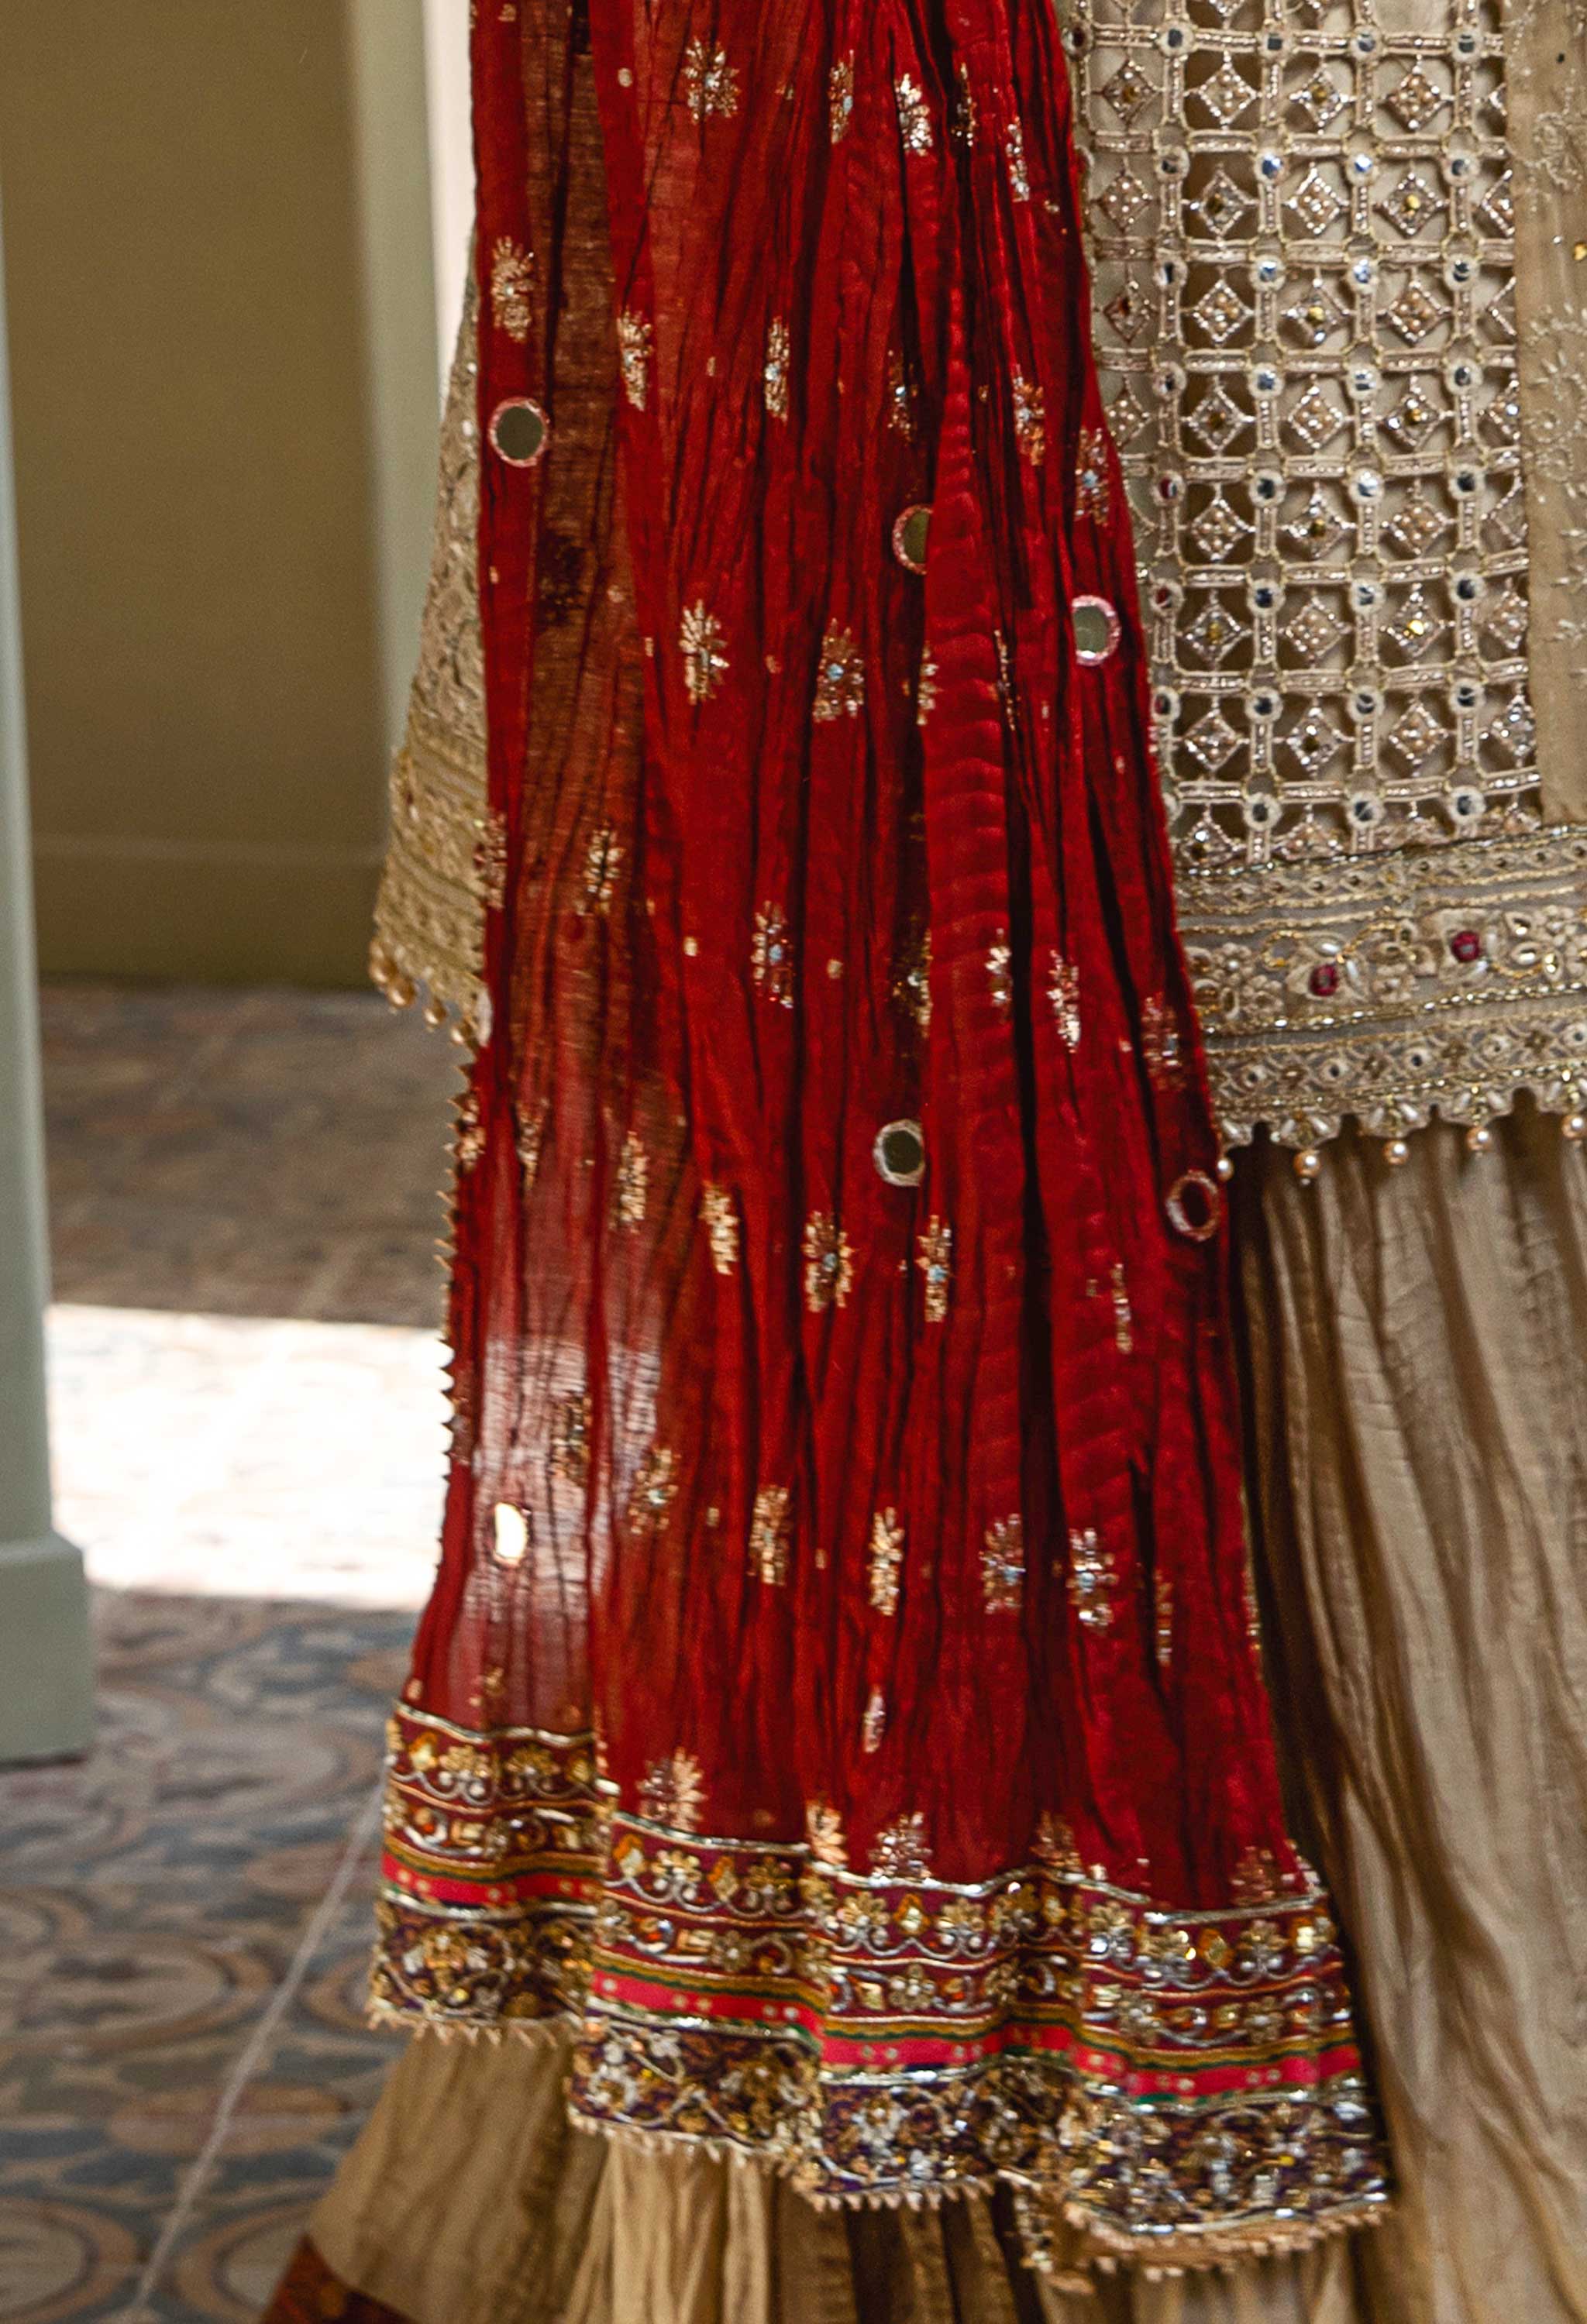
x: 46, y: 1660
x: 186, y: 913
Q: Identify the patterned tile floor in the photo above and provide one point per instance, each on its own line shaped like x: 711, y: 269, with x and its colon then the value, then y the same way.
x: 248, y: 1417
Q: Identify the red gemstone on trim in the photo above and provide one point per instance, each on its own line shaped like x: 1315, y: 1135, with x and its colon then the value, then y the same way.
x: 1324, y: 979
x: 1466, y: 944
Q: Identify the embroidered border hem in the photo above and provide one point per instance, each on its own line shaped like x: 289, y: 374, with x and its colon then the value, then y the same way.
x: 1181, y: 2084
x: 1393, y: 987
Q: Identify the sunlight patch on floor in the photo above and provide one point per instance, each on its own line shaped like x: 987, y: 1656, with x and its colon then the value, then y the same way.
x: 234, y: 1456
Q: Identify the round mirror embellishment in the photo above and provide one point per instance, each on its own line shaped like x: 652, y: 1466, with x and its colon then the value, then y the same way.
x: 1097, y: 630
x: 519, y: 432
x: 900, y: 1153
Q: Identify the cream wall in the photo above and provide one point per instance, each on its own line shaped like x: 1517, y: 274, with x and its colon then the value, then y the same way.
x: 222, y: 308
x: 451, y: 163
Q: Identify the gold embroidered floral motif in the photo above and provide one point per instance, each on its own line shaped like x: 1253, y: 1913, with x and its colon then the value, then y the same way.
x: 840, y: 98
x: 704, y: 661
x: 828, y: 1845
x: 1091, y: 1579
x: 887, y: 1560
x: 912, y: 985
x: 673, y: 1792
x: 1054, y: 1845
x: 776, y: 371
x: 1161, y: 1044
x: 1029, y: 418
x: 710, y: 83
x: 1002, y: 1566
x: 655, y: 1488
x: 633, y: 1182
x: 1164, y: 1608
x: 999, y: 971
x: 925, y: 688
x: 1019, y: 175
x: 874, y: 1725
x: 935, y: 1262
x: 603, y: 860
x: 490, y: 862
x: 512, y: 280
x: 769, y: 1534
x: 914, y: 117
x: 1064, y: 992
x: 830, y: 1264
x: 531, y: 1140
x: 469, y: 1139
x: 1123, y: 1318
x: 570, y: 1439
x: 635, y: 339
x: 899, y: 1852
x: 1258, y: 1879
x: 771, y: 956
x: 840, y: 680
x: 720, y: 1221
x: 1093, y: 492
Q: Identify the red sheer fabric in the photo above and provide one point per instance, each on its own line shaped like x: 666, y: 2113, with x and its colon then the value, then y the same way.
x: 840, y: 1691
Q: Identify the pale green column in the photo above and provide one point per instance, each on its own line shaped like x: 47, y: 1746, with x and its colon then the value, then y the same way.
x: 46, y: 1671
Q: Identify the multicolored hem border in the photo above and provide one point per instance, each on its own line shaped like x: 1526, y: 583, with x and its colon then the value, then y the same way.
x: 1183, y: 2085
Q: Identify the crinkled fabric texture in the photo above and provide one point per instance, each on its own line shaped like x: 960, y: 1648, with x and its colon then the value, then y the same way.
x: 1419, y: 1410
x: 840, y: 1697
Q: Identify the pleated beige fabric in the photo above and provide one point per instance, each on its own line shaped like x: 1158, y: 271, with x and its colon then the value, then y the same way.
x: 1418, y: 1399
x: 1416, y: 1344
x: 468, y: 2200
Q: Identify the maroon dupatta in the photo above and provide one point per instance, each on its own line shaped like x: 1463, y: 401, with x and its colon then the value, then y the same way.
x: 840, y: 1697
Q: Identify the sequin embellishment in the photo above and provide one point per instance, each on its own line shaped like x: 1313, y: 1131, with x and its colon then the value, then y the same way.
x: 771, y: 956
x: 673, y: 1792
x: 886, y: 1561
x: 704, y: 660
x: 935, y: 1262
x: 655, y: 1488
x: 634, y: 342
x: 633, y: 1182
x: 840, y: 680
x: 775, y: 371
x: 830, y: 1264
x: 914, y: 117
x: 710, y: 82
x: 769, y: 1534
x: 512, y: 280
x: 1063, y: 993
x: 1002, y: 1566
x: 1029, y: 418
x: 1091, y: 1579
x: 720, y: 1221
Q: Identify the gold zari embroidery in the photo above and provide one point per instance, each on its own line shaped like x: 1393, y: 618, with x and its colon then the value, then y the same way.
x: 769, y: 1535
x: 1304, y: 278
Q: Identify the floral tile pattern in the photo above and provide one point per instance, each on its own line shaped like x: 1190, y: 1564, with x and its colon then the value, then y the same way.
x: 248, y: 1439
x: 182, y: 2058
x: 245, y: 1153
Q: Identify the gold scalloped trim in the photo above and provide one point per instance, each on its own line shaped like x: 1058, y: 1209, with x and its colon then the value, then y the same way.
x: 1102, y: 2249
x: 1456, y: 978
